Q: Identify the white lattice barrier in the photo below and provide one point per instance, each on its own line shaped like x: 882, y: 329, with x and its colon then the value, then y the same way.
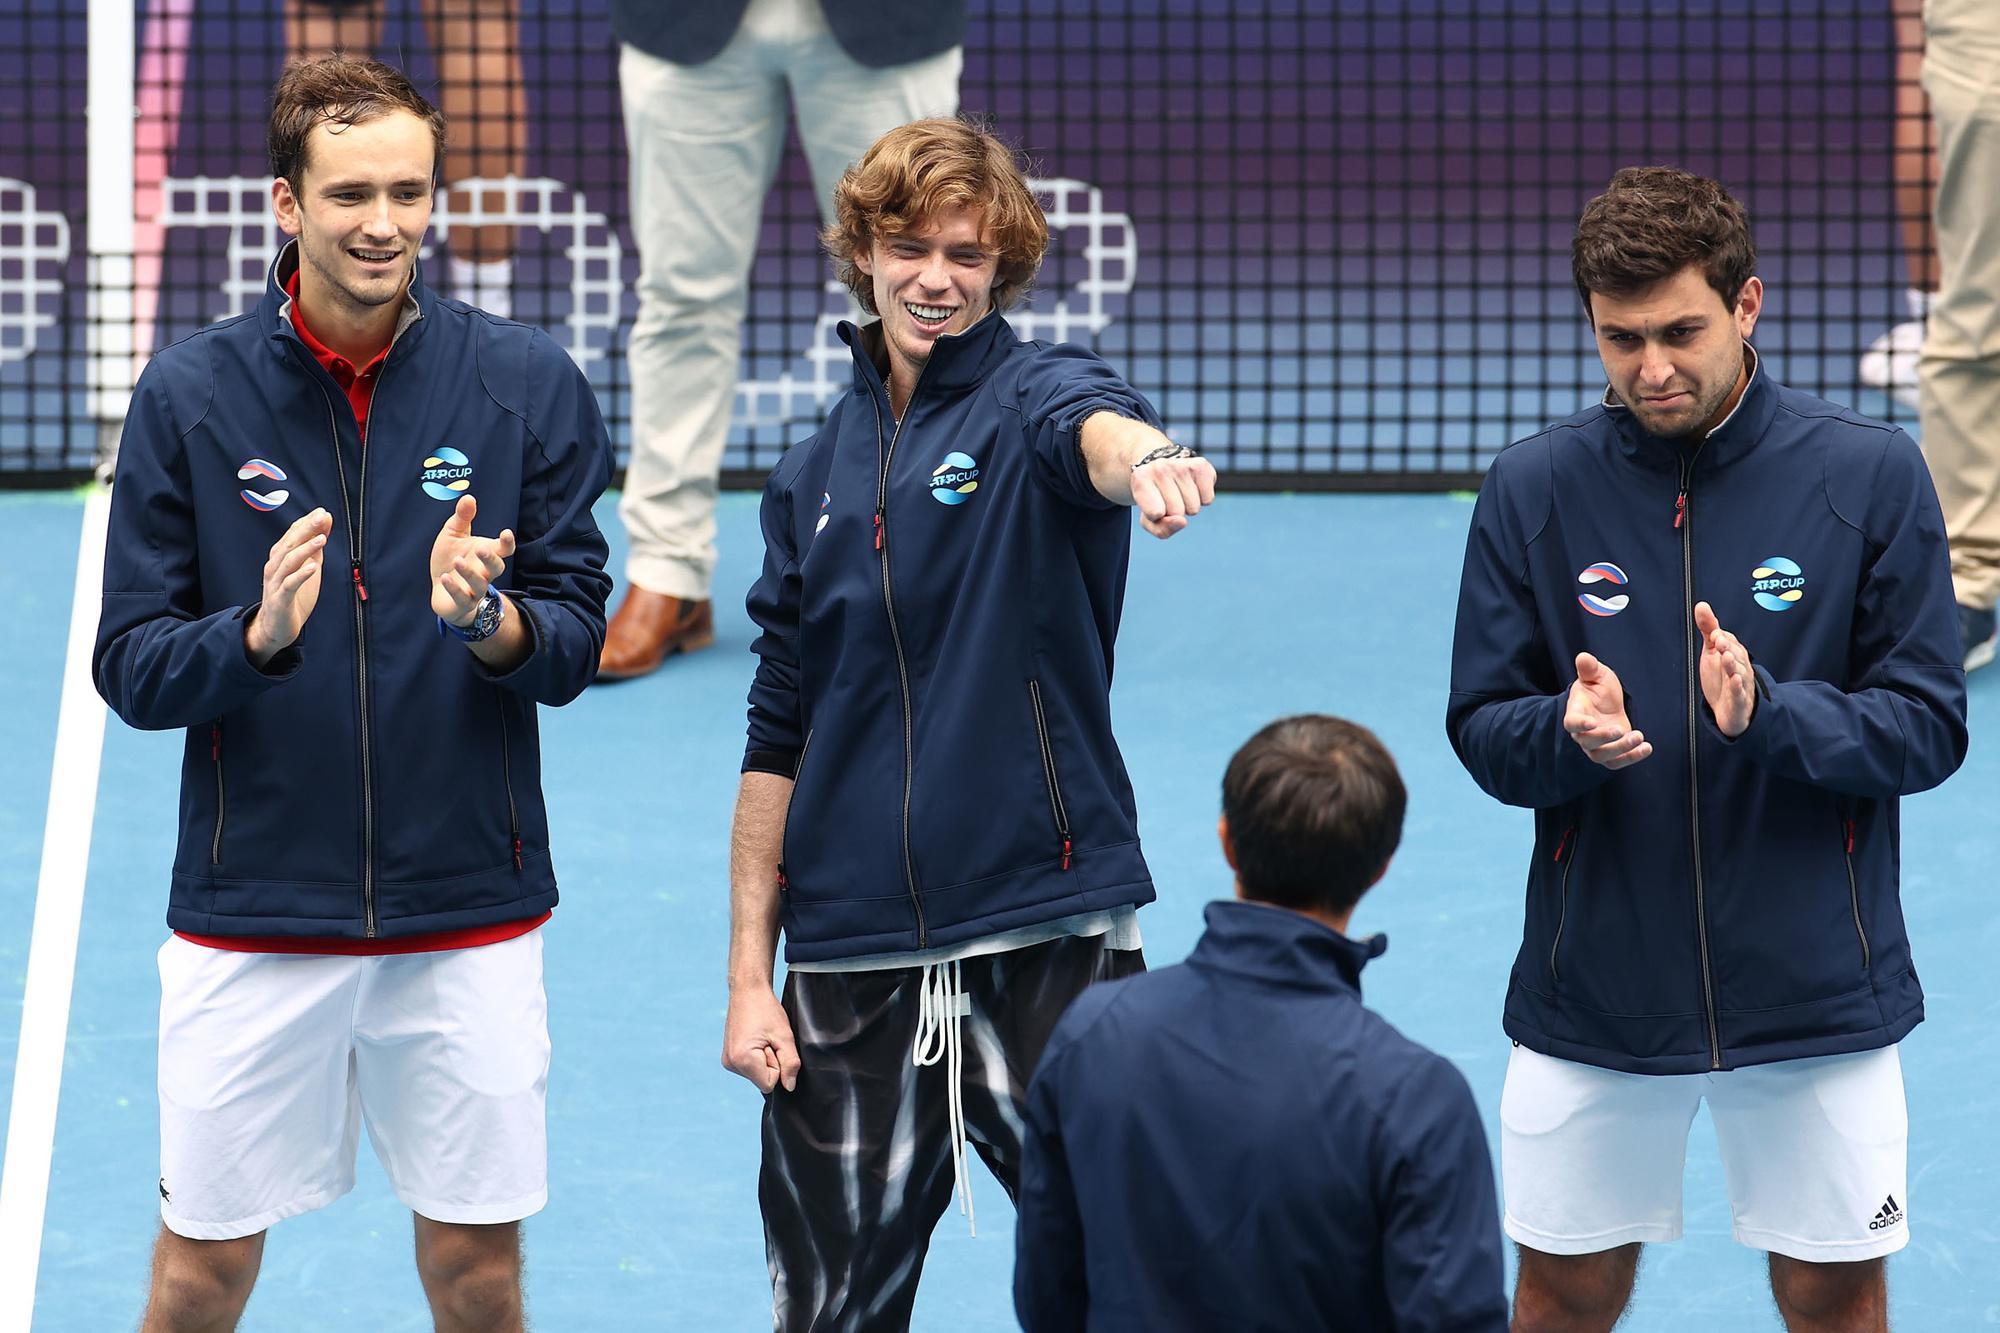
x: 1110, y: 252
x: 34, y: 247
x: 242, y: 206
x: 1079, y: 222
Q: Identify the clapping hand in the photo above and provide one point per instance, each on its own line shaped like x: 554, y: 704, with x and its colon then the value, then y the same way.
x: 463, y: 566
x: 1727, y: 681
x: 1596, y: 720
x: 291, y: 588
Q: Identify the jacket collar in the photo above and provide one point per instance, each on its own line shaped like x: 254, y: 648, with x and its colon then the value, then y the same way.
x: 274, y: 311
x: 1283, y: 947
x: 958, y: 360
x: 1735, y: 436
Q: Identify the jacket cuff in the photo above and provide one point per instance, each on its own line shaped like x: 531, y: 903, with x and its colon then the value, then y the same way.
x: 531, y: 622
x: 778, y: 763
x: 1759, y: 710
x: 1070, y: 426
x: 284, y: 663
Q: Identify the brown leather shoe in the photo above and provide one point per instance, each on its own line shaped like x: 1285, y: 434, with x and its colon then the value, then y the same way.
x: 650, y: 627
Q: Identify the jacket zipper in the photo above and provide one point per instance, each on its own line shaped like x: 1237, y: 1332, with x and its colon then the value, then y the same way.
x: 354, y: 518
x: 1562, y: 912
x: 507, y: 777
x: 884, y: 459
x: 215, y: 753
x: 1685, y: 523
x: 1056, y: 806
x: 1854, y: 892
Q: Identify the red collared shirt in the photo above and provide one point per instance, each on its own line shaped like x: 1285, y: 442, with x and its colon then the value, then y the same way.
x: 358, y: 383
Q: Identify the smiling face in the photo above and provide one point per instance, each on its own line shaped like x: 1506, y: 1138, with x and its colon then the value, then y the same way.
x: 360, y: 209
x: 1673, y: 352
x: 936, y: 278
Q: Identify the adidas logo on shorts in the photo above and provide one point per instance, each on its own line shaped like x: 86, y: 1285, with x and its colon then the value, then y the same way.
x: 1887, y: 1216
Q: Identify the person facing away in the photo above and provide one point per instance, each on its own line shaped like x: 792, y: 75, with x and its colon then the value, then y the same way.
x: 1706, y: 633
x: 294, y: 580
x: 933, y: 805
x: 1236, y: 1142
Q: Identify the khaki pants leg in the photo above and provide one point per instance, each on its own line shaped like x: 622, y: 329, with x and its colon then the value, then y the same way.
x: 1959, y: 373
x: 704, y: 142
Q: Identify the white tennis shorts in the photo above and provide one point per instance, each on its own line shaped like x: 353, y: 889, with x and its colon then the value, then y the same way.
x: 1815, y: 1151
x: 269, y: 1064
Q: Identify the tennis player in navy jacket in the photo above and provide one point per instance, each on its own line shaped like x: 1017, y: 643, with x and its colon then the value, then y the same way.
x: 1236, y: 1142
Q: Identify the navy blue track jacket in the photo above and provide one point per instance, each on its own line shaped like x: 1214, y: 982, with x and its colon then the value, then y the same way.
x: 374, y: 779
x: 938, y: 604
x: 1236, y: 1143
x: 1720, y: 903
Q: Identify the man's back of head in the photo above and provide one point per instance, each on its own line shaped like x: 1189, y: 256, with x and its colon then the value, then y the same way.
x: 1312, y: 810
x: 1236, y: 1141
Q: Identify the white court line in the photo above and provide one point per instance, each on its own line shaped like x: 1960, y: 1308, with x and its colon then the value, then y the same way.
x: 31, y: 1123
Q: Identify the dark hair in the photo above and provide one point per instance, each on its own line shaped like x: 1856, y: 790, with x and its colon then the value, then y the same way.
x: 340, y: 91
x: 918, y: 170
x: 1652, y: 222
x: 1315, y: 809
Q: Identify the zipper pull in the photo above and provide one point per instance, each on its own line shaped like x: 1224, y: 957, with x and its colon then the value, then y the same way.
x: 1850, y: 836
x: 1065, y: 864
x: 360, y: 588
x: 517, y: 851
x: 1680, y: 508
x: 215, y: 741
x: 1563, y: 845
x: 878, y: 529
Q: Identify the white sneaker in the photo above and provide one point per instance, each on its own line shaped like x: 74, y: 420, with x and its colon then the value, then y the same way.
x: 1891, y: 361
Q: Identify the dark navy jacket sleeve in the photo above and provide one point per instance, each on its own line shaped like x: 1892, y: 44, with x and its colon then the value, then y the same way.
x: 159, y: 660
x: 776, y: 736
x: 1051, y: 1290
x: 1900, y: 726
x: 1060, y: 387
x: 1507, y: 697
x: 1441, y: 1261
x: 558, y: 579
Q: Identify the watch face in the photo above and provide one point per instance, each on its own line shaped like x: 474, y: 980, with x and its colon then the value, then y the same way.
x: 488, y: 619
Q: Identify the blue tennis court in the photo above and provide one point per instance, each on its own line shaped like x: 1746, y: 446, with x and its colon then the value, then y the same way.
x: 1272, y: 604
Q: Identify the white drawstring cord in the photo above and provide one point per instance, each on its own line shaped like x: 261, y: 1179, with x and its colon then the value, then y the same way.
x: 941, y: 1004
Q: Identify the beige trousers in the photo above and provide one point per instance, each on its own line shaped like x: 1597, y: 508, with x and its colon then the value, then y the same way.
x: 704, y: 143
x: 1959, y: 372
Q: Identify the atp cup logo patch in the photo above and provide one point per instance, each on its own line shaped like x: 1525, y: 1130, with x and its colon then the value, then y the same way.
x: 262, y: 501
x: 955, y: 479
x: 1603, y: 572
x: 1778, y: 584
x: 447, y: 474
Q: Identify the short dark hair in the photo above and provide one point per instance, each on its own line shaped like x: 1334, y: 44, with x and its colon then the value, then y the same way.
x: 1652, y: 222
x: 340, y: 91
x: 1315, y: 809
